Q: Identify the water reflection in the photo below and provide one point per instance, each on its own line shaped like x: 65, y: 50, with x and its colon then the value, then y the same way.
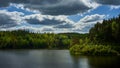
x: 53, y: 59
x: 80, y: 62
x: 104, y: 62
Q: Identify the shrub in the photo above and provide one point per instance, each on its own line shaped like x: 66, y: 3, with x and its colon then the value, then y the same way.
x: 92, y: 50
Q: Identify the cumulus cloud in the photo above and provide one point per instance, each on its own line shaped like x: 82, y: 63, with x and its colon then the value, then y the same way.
x: 92, y: 18
x: 48, y: 20
x: 54, y: 7
x: 53, y: 15
x: 83, y: 27
x: 39, y: 19
x: 44, y: 22
x: 44, y: 29
x: 115, y: 7
x: 108, y: 2
x: 88, y: 22
x: 9, y: 19
x: 65, y: 25
x: 47, y: 23
x: 59, y: 7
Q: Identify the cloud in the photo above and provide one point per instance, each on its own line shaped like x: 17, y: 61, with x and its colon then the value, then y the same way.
x: 83, y: 27
x: 43, y: 22
x: 53, y: 16
x: 9, y: 19
x: 87, y: 22
x: 114, y: 7
x: 39, y: 23
x: 53, y: 7
x: 92, y: 18
x: 59, y: 7
x: 48, y: 29
x: 38, y: 19
x: 108, y: 2
x: 48, y: 20
x: 4, y: 3
x: 65, y: 25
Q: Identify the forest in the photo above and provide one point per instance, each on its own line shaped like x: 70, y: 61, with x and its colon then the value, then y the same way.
x: 102, y: 39
x: 21, y: 39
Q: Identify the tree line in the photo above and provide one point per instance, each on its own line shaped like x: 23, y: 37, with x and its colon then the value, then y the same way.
x: 22, y: 39
x: 103, y: 39
x: 106, y: 32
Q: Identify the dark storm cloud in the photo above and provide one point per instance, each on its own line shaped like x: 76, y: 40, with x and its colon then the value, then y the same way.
x: 51, y: 7
x: 108, y: 2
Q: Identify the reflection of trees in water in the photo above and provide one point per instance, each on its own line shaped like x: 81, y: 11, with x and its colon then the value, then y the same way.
x: 52, y: 58
x: 13, y: 58
x: 104, y: 62
x: 15, y: 52
x: 80, y: 62
x: 75, y: 61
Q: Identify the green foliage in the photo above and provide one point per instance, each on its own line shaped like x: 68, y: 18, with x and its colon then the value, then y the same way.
x: 100, y: 36
x: 99, y: 50
x: 106, y: 32
x: 22, y: 39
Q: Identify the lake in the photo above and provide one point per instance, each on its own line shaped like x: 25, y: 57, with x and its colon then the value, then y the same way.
x: 53, y: 59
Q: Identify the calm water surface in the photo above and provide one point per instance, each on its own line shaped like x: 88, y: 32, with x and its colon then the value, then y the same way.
x: 53, y: 59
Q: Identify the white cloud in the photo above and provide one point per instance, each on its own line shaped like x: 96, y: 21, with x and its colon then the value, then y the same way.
x: 65, y: 25
x: 39, y: 19
x: 21, y: 6
x: 88, y: 22
x: 10, y: 19
x: 48, y: 23
x: 92, y: 18
x: 114, y: 7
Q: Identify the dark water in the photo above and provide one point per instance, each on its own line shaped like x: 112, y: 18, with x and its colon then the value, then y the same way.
x: 53, y: 59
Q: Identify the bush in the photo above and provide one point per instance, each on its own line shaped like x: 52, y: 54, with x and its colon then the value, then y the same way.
x: 99, y: 50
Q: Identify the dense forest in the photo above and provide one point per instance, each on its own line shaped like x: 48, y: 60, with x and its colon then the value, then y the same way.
x: 102, y: 39
x: 21, y: 39
x: 106, y: 32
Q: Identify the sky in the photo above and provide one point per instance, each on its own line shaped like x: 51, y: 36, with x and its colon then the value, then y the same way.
x: 55, y: 16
